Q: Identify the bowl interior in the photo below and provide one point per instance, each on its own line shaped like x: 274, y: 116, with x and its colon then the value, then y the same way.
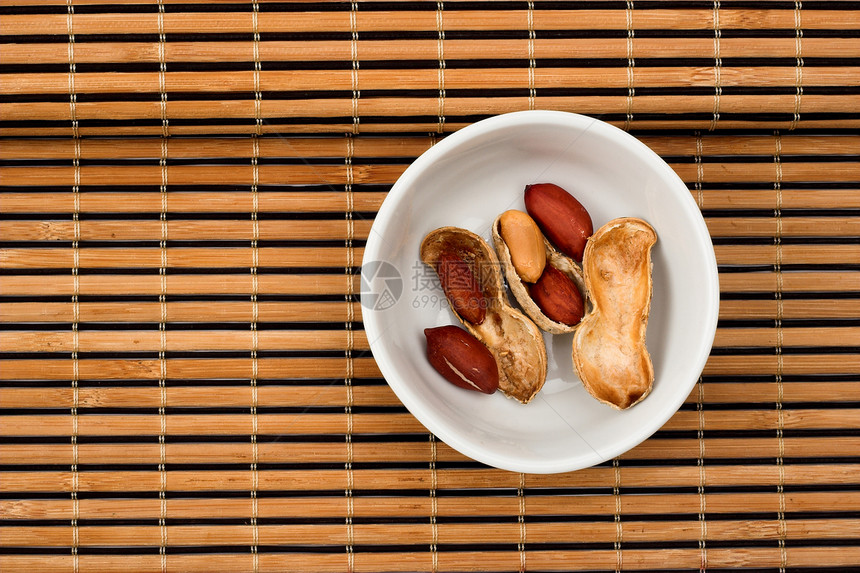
x: 466, y: 181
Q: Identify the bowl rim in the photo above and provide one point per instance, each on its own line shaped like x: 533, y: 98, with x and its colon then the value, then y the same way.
x: 512, y: 120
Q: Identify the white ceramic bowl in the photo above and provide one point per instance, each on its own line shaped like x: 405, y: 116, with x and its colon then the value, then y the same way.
x: 467, y: 180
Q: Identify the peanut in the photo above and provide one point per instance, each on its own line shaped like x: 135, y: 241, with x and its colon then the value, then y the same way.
x: 525, y: 243
x: 557, y: 297
x: 462, y: 359
x: 561, y: 217
x: 461, y: 287
x: 513, y: 340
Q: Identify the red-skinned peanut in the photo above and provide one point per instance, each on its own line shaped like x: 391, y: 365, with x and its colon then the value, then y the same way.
x: 561, y: 217
x: 558, y: 297
x: 462, y: 359
x: 461, y: 287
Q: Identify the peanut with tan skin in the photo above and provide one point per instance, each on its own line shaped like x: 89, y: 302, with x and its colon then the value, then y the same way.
x: 525, y: 243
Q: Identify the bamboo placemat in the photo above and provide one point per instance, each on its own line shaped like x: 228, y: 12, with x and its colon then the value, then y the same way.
x: 419, y: 66
x: 186, y: 189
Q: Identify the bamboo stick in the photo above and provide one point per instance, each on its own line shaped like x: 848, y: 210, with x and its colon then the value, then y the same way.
x: 227, y: 562
x: 653, y: 477
x: 320, y: 311
x: 794, y: 281
x: 502, y: 504
x: 311, y: 480
x: 188, y: 368
x: 183, y: 424
x: 746, y: 392
x: 450, y: 125
x: 39, y: 285
x: 800, y: 308
x: 767, y: 419
x: 218, y: 340
x: 213, y: 128
x: 787, y: 337
x: 335, y: 201
x: 237, y: 284
x: 791, y: 199
x: 455, y: 561
x: 406, y: 534
x: 100, y: 2
x: 381, y: 20
x: 203, y: 396
x: 237, y: 396
x: 739, y: 124
x: 98, y: 369
x: 407, y: 452
x: 227, y: 257
x: 191, y: 202
x: 181, y: 311
x: 189, y: 230
x: 790, y: 364
x: 181, y: 257
x: 786, y: 226
x: 408, y: 146
x: 274, y: 424
x: 716, y: 448
x: 184, y: 341
x: 104, y: 175
x: 714, y: 144
x: 427, y: 49
x: 372, y: 79
x: 420, y: 106
x: 202, y: 453
x: 242, y: 147
x: 765, y: 172
x: 790, y: 254
x: 563, y: 560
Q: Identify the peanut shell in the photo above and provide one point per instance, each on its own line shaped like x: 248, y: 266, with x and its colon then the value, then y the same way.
x: 520, y: 289
x: 609, y: 352
x: 514, y: 340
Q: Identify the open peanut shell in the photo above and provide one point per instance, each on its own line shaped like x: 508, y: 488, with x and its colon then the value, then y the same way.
x: 609, y: 352
x: 514, y: 340
x: 520, y: 291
